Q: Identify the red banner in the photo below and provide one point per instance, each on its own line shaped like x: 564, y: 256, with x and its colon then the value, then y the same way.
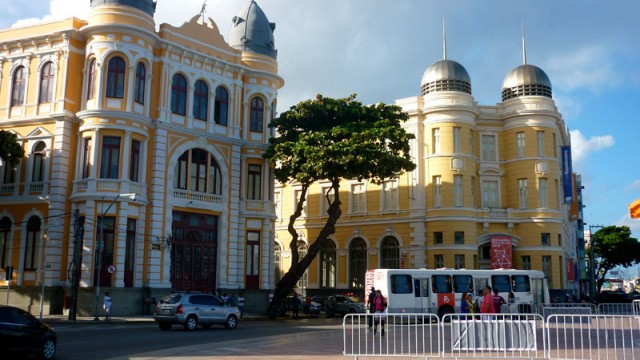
x: 501, y: 254
x: 570, y: 271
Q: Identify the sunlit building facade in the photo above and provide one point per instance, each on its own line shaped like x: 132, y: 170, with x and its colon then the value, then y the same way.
x: 492, y: 189
x: 113, y: 106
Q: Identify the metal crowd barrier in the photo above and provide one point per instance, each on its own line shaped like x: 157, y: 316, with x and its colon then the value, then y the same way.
x: 506, y: 336
x: 615, y: 309
x: 593, y: 337
x: 566, y: 309
x: 499, y: 336
x: 409, y: 335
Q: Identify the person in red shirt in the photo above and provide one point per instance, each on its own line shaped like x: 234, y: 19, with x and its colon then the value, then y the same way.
x: 487, y: 303
x: 380, y: 306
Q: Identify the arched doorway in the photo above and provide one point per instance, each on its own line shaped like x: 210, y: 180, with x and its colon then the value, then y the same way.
x: 194, y: 251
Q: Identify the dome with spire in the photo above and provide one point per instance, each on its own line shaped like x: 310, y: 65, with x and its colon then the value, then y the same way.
x: 148, y: 6
x: 445, y: 75
x: 252, y: 31
x: 526, y: 80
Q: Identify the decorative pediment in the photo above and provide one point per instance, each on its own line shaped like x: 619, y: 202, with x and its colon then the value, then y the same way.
x: 38, y: 133
x: 490, y: 171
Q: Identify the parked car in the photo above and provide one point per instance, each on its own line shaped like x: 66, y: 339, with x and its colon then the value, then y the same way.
x: 191, y: 309
x: 607, y: 297
x: 22, y: 334
x: 313, y: 308
x: 320, y: 299
x: 342, y: 304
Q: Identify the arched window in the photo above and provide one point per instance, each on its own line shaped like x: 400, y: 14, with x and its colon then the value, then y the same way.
x: 18, y: 86
x: 221, y: 106
x: 91, y: 81
x: 357, y: 263
x: 31, y: 243
x: 256, y: 115
x: 115, y: 77
x: 200, y: 100
x: 5, y: 231
x: 390, y: 253
x: 197, y: 170
x: 39, y: 153
x: 179, y: 95
x: 302, y: 251
x: 328, y: 264
x: 47, y: 83
x: 141, y: 74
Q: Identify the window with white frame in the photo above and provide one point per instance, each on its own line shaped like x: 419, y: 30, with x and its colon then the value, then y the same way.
x: 39, y: 155
x: 540, y: 141
x: 328, y: 262
x: 458, y: 237
x: 490, y: 194
x: 472, y: 190
x: 435, y: 138
x: 555, y: 146
x: 545, y: 239
x: 297, y: 199
x: 520, y: 144
x: 390, y: 195
x: 277, y: 262
x: 277, y: 202
x: 526, y: 262
x: 522, y: 193
x: 459, y: 261
x: 546, y: 266
x: 438, y: 261
x: 437, y: 191
x: 457, y: 145
x: 457, y: 190
x: 488, y: 143
x: 472, y: 141
x: 324, y: 202
x: 543, y: 192
x: 358, y: 198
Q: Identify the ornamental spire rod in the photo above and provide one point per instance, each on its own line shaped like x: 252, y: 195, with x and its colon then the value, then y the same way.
x: 524, y: 48
x: 444, y: 40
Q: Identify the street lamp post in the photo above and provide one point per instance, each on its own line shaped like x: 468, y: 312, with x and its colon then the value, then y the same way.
x: 132, y: 196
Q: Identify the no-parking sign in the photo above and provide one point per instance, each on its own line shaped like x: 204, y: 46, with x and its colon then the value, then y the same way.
x: 111, y: 269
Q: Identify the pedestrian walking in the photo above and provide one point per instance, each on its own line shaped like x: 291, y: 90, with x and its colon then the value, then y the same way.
x: 106, y: 305
x: 498, y: 301
x: 379, y: 316
x: 372, y: 306
x: 486, y: 307
x: 294, y: 305
x: 465, y: 306
x: 241, y: 303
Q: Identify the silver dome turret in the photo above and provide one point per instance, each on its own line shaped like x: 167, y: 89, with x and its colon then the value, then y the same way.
x: 252, y: 31
x: 526, y: 80
x: 445, y: 75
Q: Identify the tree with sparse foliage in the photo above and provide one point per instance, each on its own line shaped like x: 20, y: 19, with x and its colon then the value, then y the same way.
x: 333, y: 139
x: 613, y: 246
x: 10, y: 150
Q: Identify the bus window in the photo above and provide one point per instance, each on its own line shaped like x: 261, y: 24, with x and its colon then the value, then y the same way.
x: 462, y: 283
x: 441, y: 283
x: 520, y: 283
x: 401, y: 284
x: 501, y: 282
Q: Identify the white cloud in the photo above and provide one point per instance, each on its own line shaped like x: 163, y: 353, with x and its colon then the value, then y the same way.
x: 59, y: 9
x: 633, y: 224
x: 588, y: 67
x: 581, y: 148
x: 634, y: 185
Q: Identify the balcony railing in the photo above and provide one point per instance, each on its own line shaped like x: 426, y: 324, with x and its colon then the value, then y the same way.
x: 198, y: 196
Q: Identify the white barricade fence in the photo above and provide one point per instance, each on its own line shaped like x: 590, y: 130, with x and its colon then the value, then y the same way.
x: 506, y: 336
x: 615, y: 309
x: 636, y: 307
x: 408, y: 335
x: 566, y: 309
x: 593, y: 337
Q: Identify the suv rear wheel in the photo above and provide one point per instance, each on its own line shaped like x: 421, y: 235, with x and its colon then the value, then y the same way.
x: 232, y: 322
x: 191, y: 323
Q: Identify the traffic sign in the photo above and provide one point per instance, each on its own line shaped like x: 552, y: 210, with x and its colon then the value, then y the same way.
x: 111, y: 269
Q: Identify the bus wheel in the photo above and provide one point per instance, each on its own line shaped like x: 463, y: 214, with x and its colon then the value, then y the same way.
x: 444, y: 310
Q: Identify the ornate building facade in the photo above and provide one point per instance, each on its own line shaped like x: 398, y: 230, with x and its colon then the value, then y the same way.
x: 492, y: 189
x: 109, y: 107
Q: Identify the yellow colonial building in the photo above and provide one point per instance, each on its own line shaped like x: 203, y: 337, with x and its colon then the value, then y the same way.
x: 492, y: 189
x: 142, y: 170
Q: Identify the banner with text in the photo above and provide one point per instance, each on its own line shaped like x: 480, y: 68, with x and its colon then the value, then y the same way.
x: 501, y: 252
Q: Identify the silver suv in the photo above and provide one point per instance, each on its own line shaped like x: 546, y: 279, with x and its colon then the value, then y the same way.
x: 191, y: 309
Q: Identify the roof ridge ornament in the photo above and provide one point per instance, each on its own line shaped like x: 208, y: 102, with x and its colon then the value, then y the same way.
x: 524, y: 48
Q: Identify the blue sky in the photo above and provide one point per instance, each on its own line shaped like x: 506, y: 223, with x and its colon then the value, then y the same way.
x: 380, y: 49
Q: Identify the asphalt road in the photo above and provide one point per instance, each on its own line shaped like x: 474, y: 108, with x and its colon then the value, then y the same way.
x: 97, y: 341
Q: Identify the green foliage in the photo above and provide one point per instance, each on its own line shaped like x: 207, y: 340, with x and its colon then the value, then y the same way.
x: 10, y: 149
x: 613, y: 246
x: 330, y: 138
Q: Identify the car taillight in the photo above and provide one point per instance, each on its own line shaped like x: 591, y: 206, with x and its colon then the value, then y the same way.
x: 179, y: 309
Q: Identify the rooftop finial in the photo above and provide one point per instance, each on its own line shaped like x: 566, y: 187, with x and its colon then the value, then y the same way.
x: 524, y: 48
x: 444, y: 40
x: 203, y: 11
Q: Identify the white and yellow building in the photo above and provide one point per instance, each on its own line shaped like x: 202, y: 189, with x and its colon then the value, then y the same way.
x: 486, y: 175
x: 113, y: 106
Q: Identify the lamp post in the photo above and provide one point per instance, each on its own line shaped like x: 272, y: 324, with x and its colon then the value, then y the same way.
x: 132, y: 197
